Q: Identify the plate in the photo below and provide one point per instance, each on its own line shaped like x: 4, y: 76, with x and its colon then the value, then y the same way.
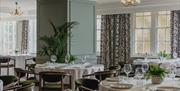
x: 166, y: 88
x: 121, y: 86
x: 112, y: 79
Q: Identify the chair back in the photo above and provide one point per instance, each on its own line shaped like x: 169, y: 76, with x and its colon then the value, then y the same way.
x: 102, y: 75
x: 52, y: 76
x: 87, y: 84
x: 4, y: 59
x: 19, y: 72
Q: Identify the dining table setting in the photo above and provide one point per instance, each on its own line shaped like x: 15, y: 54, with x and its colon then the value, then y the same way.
x: 146, y: 78
x: 133, y: 84
x: 75, y: 70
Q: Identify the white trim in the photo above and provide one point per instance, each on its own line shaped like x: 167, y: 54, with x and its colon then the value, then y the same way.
x: 114, y: 9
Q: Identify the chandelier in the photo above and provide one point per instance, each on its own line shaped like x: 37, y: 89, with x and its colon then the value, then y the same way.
x: 17, y: 11
x: 130, y: 2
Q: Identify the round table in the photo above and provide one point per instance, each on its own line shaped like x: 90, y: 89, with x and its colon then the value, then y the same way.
x: 138, y: 85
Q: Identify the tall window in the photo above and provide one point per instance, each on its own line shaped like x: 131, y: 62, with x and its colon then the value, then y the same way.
x: 142, y: 32
x: 7, y: 37
x: 98, y: 34
x: 151, y: 32
x: 163, y: 29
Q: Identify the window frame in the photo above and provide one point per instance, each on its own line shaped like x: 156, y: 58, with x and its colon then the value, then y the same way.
x: 153, y: 35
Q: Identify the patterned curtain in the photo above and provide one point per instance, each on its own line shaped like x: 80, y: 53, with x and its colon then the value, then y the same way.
x: 115, y: 39
x: 175, y: 33
x: 25, y: 31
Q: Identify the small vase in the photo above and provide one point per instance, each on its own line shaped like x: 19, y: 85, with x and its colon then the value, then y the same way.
x: 156, y: 80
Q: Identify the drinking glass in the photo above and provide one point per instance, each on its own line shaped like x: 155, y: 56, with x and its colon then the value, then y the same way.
x: 172, y: 72
x: 127, y: 69
x: 145, y: 67
x: 139, y: 72
x: 53, y: 58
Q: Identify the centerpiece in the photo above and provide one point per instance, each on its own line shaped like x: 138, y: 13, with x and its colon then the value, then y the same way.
x: 163, y: 55
x: 156, y: 73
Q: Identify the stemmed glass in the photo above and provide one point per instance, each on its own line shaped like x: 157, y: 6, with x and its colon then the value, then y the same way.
x: 139, y: 73
x: 145, y: 67
x: 53, y: 58
x: 172, y: 72
x: 127, y: 69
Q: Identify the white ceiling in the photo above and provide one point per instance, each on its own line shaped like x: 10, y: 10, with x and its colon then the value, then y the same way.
x: 142, y: 1
x: 30, y: 5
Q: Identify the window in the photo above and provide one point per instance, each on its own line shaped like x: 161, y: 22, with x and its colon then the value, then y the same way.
x: 151, y: 33
x: 142, y: 32
x: 98, y: 34
x: 163, y: 31
x: 7, y: 37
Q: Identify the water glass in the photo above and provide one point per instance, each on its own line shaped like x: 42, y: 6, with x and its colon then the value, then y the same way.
x: 53, y: 58
x: 139, y: 73
x: 127, y: 69
x: 145, y: 67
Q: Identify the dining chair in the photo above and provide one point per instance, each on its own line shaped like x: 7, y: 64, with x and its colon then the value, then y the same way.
x: 86, y: 84
x: 20, y: 73
x: 9, y: 81
x: 102, y: 75
x: 49, y: 81
x: 5, y: 62
x: 30, y: 66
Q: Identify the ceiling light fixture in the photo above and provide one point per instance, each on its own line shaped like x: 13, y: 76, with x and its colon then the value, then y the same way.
x: 17, y: 11
x: 130, y: 2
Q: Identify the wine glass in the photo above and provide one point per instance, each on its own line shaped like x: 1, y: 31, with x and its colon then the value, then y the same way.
x: 172, y: 72
x: 127, y: 69
x: 53, y: 58
x: 139, y: 73
x: 145, y: 67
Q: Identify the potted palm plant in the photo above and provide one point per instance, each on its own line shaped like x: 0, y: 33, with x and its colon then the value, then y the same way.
x: 56, y: 44
x: 156, y: 73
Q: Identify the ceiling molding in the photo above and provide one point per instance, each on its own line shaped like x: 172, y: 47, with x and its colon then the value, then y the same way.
x: 114, y: 9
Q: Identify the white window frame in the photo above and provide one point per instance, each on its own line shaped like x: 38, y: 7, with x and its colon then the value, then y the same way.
x: 153, y: 35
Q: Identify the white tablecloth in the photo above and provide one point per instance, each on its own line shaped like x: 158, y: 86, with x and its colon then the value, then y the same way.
x: 138, y: 86
x: 157, y: 61
x: 76, y: 70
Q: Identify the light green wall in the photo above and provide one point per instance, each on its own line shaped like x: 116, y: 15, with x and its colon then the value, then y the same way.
x: 83, y: 35
x: 61, y: 11
x: 54, y: 10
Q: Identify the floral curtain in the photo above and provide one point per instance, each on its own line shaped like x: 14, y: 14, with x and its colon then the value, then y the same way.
x: 175, y: 33
x: 115, y: 39
x: 25, y: 31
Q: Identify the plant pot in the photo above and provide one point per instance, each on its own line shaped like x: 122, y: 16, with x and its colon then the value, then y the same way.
x: 156, y: 80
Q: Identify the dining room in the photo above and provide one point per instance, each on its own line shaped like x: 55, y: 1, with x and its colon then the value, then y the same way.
x: 90, y: 45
